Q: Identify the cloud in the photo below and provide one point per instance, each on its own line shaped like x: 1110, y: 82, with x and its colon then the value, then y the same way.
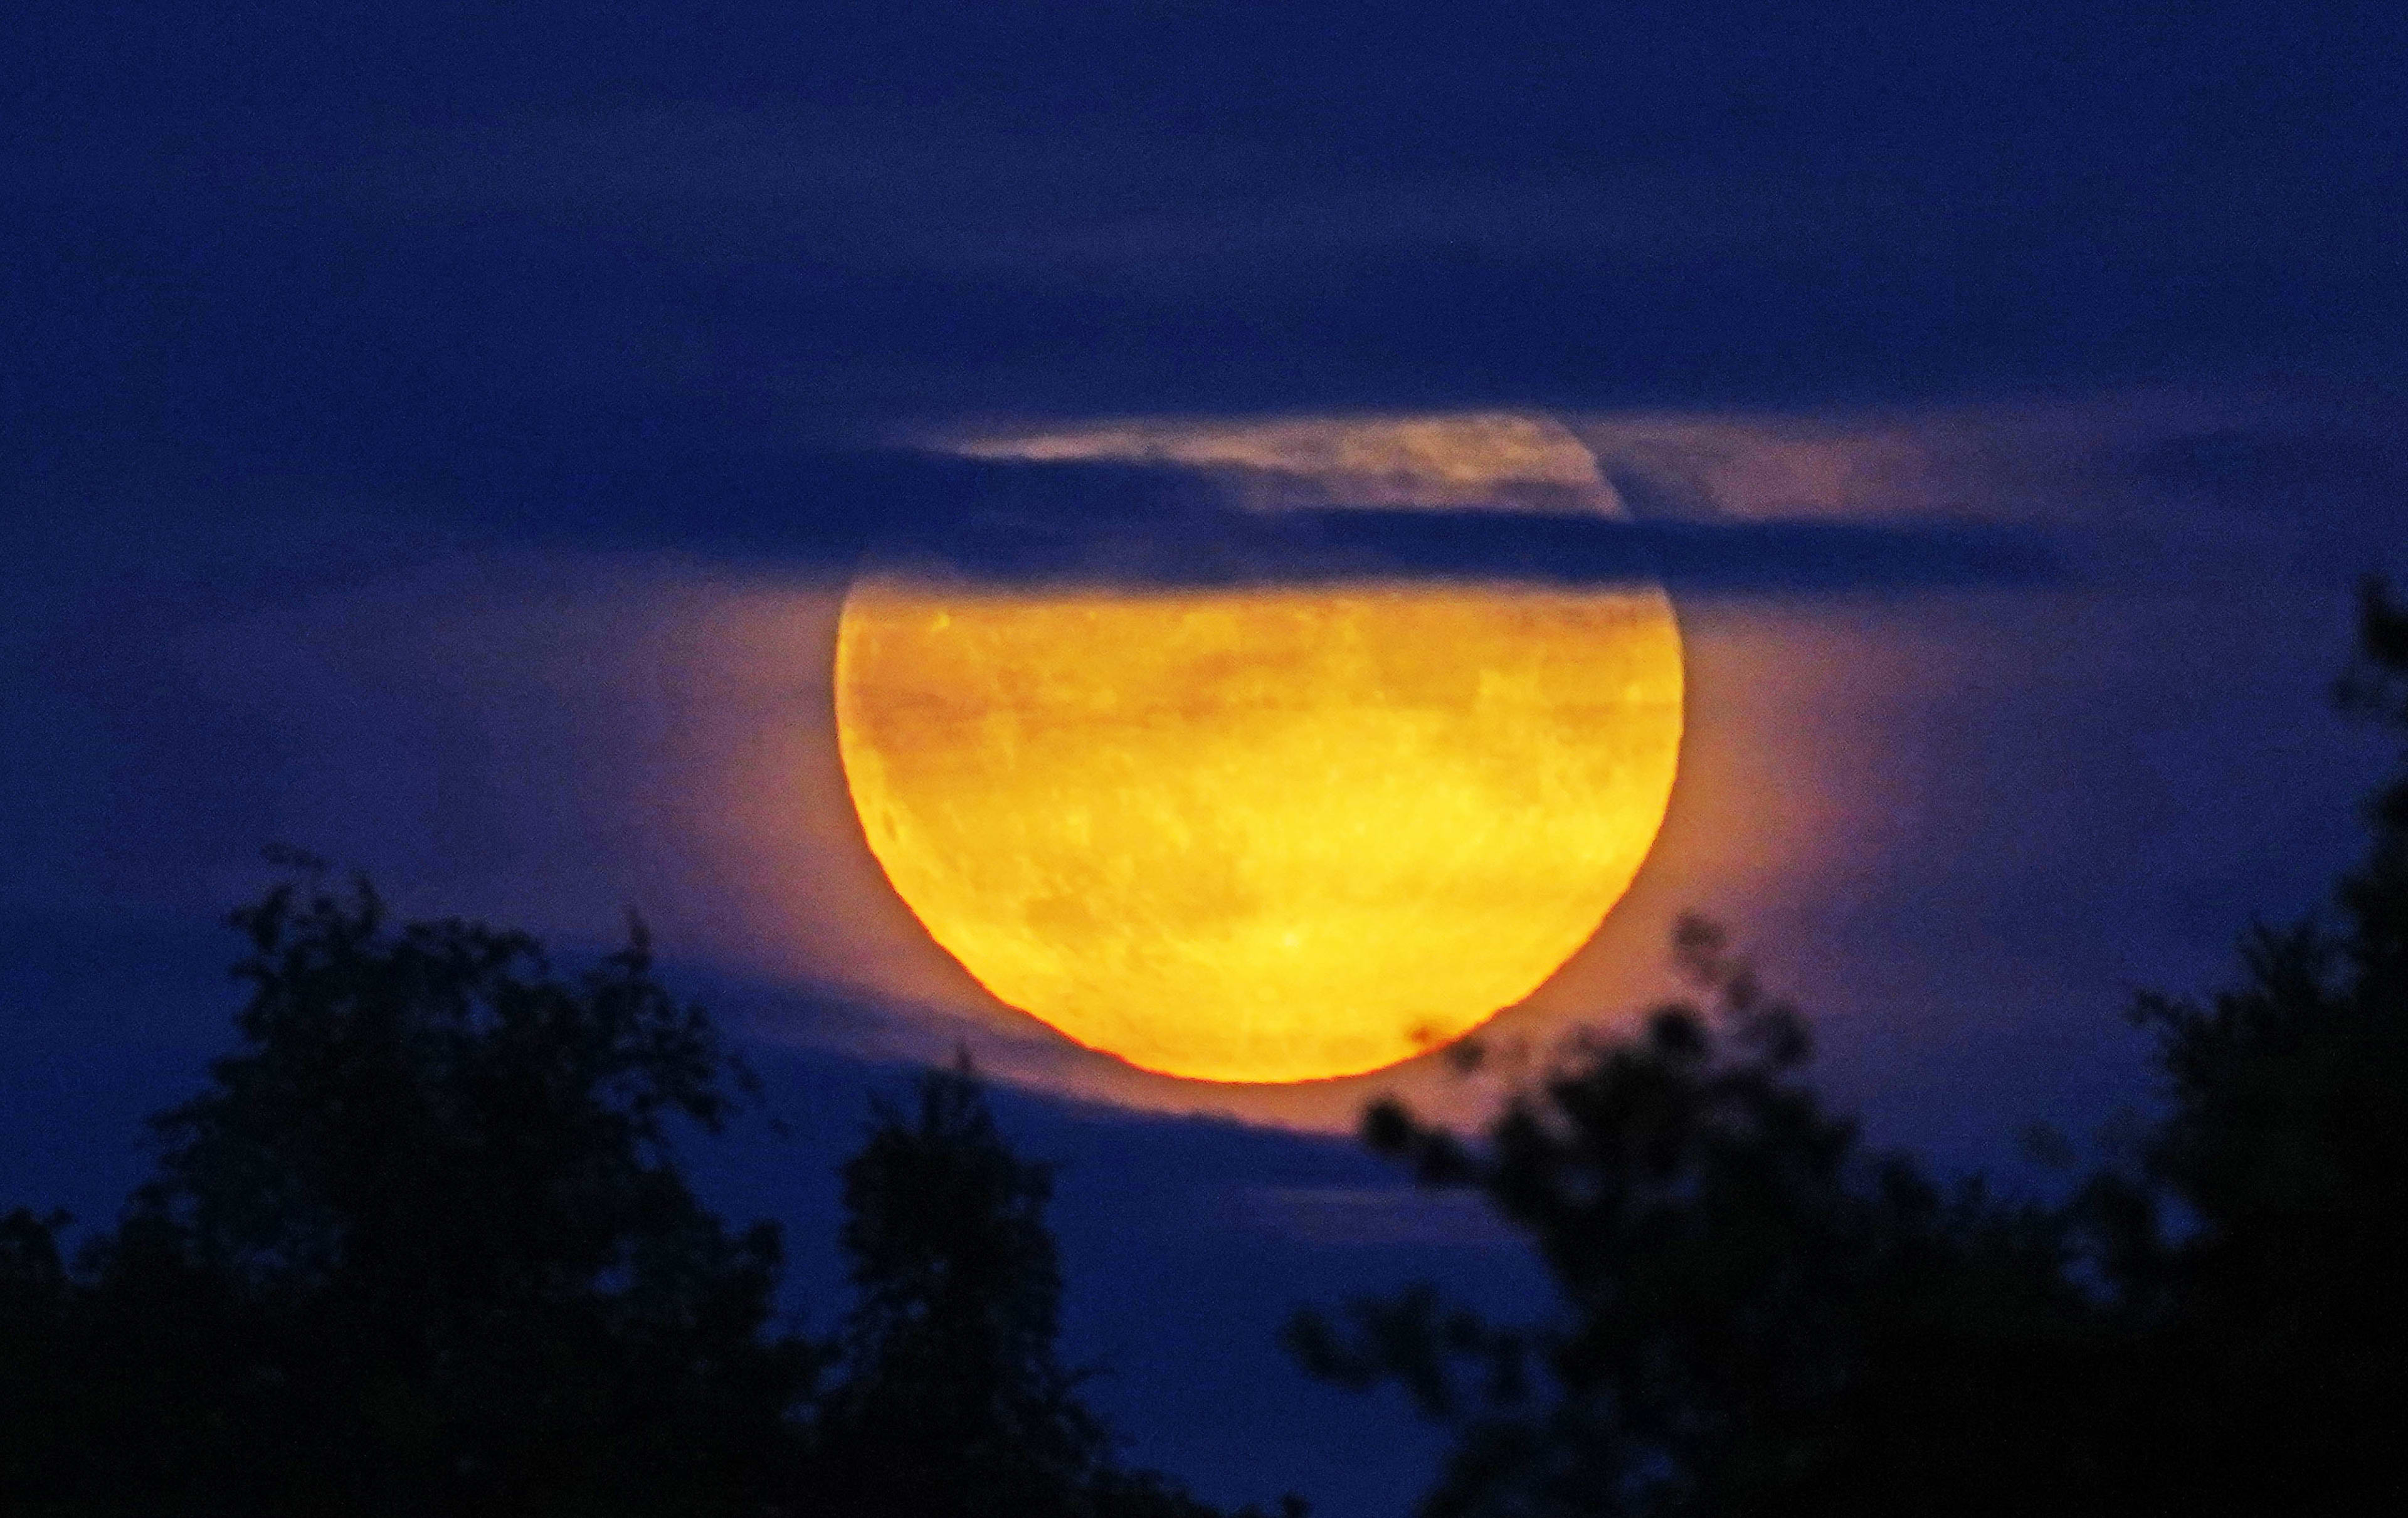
x: 2275, y: 470
x: 1360, y: 1216
x: 1444, y: 459
x: 1477, y: 498
x: 333, y: 248
x: 1231, y: 548
x: 610, y: 683
x: 1049, y: 202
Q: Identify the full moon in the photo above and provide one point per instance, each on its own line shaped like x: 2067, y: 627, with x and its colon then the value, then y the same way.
x: 1259, y: 834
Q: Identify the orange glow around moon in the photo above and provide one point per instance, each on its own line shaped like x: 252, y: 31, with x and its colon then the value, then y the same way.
x: 1272, y: 834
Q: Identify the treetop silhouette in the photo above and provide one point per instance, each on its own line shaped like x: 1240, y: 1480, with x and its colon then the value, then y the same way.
x: 1755, y: 1315
x: 424, y: 1246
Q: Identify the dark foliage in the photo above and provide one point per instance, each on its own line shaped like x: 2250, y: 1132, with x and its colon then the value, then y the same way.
x: 1758, y: 1317
x: 952, y: 1403
x: 420, y: 1248
x: 1751, y: 1304
x: 2284, y: 1156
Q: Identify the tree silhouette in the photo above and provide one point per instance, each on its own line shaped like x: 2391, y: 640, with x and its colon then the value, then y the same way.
x: 1754, y: 1316
x: 421, y: 1246
x: 1751, y: 1305
x: 952, y: 1400
x: 2284, y: 1157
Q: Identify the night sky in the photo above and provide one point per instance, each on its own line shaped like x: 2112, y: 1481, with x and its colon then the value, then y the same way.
x: 439, y: 437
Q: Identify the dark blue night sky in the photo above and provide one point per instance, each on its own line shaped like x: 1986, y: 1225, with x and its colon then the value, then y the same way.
x: 412, y: 416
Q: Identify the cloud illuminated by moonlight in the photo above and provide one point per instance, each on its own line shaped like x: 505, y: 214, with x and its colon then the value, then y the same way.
x: 1391, y: 463
x: 655, y: 728
x: 1453, y: 459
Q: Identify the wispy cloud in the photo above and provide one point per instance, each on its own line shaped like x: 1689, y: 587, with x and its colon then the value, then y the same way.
x: 1233, y: 548
x: 1049, y: 202
x: 1473, y: 496
x: 1366, y: 1216
x: 1445, y: 459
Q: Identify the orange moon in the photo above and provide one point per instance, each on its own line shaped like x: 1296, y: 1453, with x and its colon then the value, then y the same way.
x: 1259, y: 834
